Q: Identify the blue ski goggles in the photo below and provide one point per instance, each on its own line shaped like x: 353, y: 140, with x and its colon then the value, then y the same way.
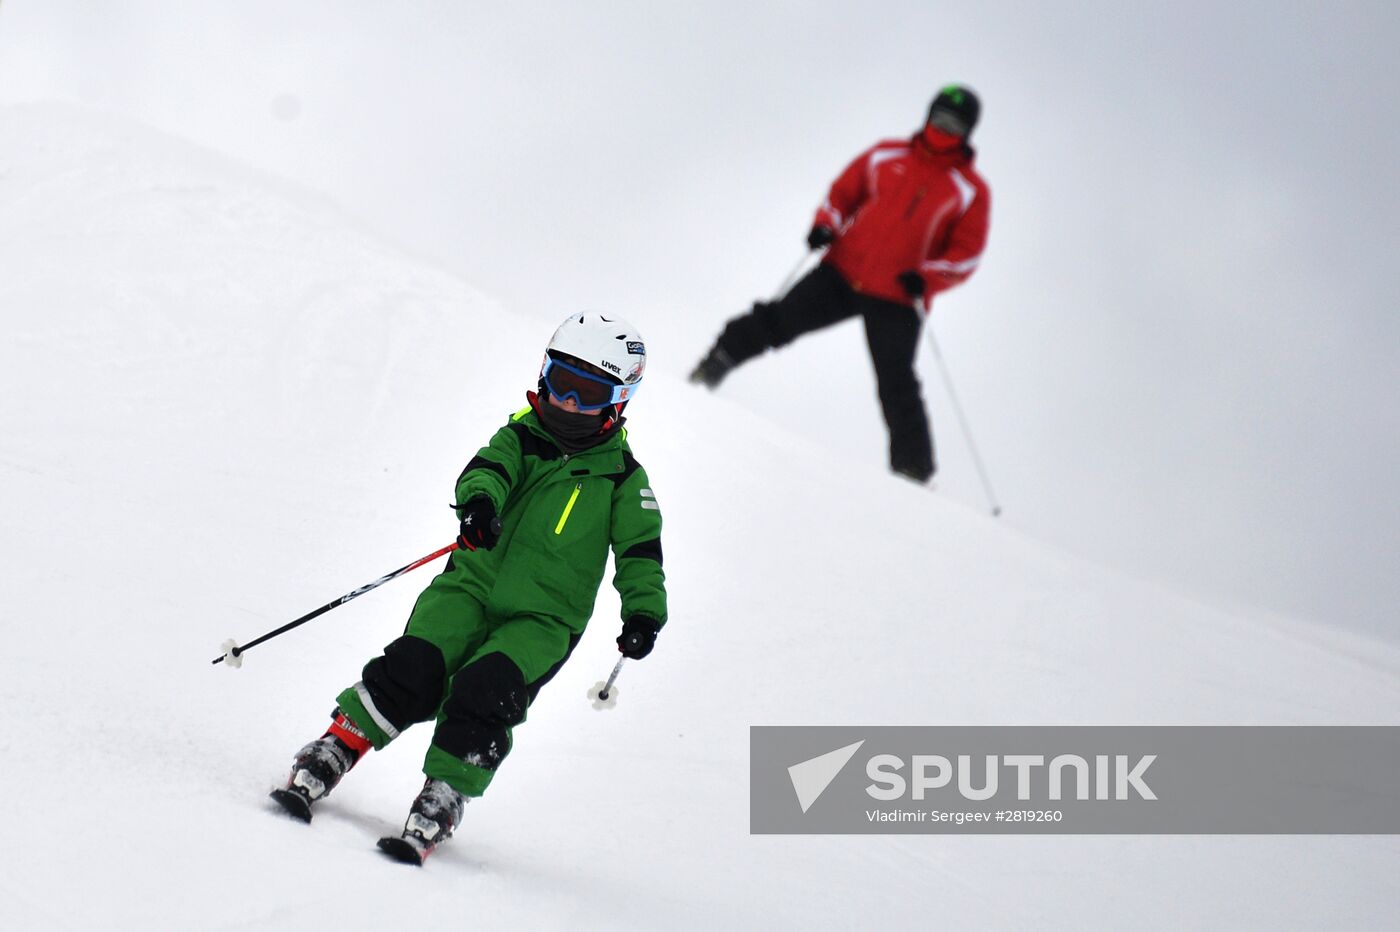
x: 591, y: 392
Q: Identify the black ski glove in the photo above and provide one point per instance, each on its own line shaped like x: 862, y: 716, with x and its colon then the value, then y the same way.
x: 638, y: 636
x: 480, y: 525
x: 912, y: 283
x: 820, y: 236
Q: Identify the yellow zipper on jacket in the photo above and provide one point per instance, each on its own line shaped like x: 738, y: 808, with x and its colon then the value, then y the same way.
x: 559, y: 528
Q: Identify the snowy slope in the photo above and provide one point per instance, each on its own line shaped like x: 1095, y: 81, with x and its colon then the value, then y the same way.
x: 226, y: 404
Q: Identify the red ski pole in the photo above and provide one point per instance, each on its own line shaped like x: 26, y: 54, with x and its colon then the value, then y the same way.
x: 234, y: 654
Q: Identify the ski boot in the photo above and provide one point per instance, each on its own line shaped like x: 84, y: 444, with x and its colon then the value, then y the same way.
x: 713, y: 368
x: 921, y: 475
x: 319, y: 766
x: 434, y: 817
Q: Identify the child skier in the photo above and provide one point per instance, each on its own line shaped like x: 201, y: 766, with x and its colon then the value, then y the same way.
x: 539, y: 507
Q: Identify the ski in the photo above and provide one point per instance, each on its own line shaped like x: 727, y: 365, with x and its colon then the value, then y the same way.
x: 405, y: 850
x: 293, y: 803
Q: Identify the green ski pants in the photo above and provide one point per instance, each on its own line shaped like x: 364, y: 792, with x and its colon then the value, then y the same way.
x: 472, y: 670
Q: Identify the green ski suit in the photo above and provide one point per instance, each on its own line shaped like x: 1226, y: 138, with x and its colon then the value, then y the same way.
x: 491, y: 629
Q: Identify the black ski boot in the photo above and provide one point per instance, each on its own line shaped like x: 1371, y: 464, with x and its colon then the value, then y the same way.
x: 435, y: 815
x: 923, y: 475
x: 316, y: 770
x: 713, y: 368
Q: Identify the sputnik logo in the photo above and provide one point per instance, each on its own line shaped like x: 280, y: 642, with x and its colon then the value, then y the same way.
x: 811, y: 777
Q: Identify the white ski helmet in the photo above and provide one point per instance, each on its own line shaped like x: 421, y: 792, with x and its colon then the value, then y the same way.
x: 609, y: 344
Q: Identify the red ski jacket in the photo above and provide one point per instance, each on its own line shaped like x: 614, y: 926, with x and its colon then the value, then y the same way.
x: 903, y: 206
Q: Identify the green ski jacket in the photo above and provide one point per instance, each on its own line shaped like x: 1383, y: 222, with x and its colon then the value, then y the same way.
x: 559, y: 515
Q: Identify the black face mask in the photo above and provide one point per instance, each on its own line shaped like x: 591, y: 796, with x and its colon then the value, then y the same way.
x: 572, y: 430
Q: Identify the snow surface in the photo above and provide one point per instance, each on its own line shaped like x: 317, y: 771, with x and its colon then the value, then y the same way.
x: 226, y: 403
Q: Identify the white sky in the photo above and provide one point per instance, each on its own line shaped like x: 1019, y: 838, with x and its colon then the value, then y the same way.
x: 1179, y: 356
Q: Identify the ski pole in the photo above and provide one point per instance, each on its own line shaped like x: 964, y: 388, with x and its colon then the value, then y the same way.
x: 234, y: 654
x: 612, y: 677
x: 603, y: 694
x: 792, y: 277
x: 962, y: 419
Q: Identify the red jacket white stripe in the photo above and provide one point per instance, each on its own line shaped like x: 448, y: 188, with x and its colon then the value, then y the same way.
x: 903, y: 206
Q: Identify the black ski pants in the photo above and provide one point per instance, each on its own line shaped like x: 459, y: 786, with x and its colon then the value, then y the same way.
x: 822, y: 298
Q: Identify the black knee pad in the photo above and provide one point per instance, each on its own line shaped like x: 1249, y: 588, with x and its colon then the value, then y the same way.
x: 491, y: 689
x: 406, y: 683
x: 487, y: 699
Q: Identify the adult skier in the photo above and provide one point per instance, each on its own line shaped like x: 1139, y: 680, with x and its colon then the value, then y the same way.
x: 904, y: 221
x: 539, y: 506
